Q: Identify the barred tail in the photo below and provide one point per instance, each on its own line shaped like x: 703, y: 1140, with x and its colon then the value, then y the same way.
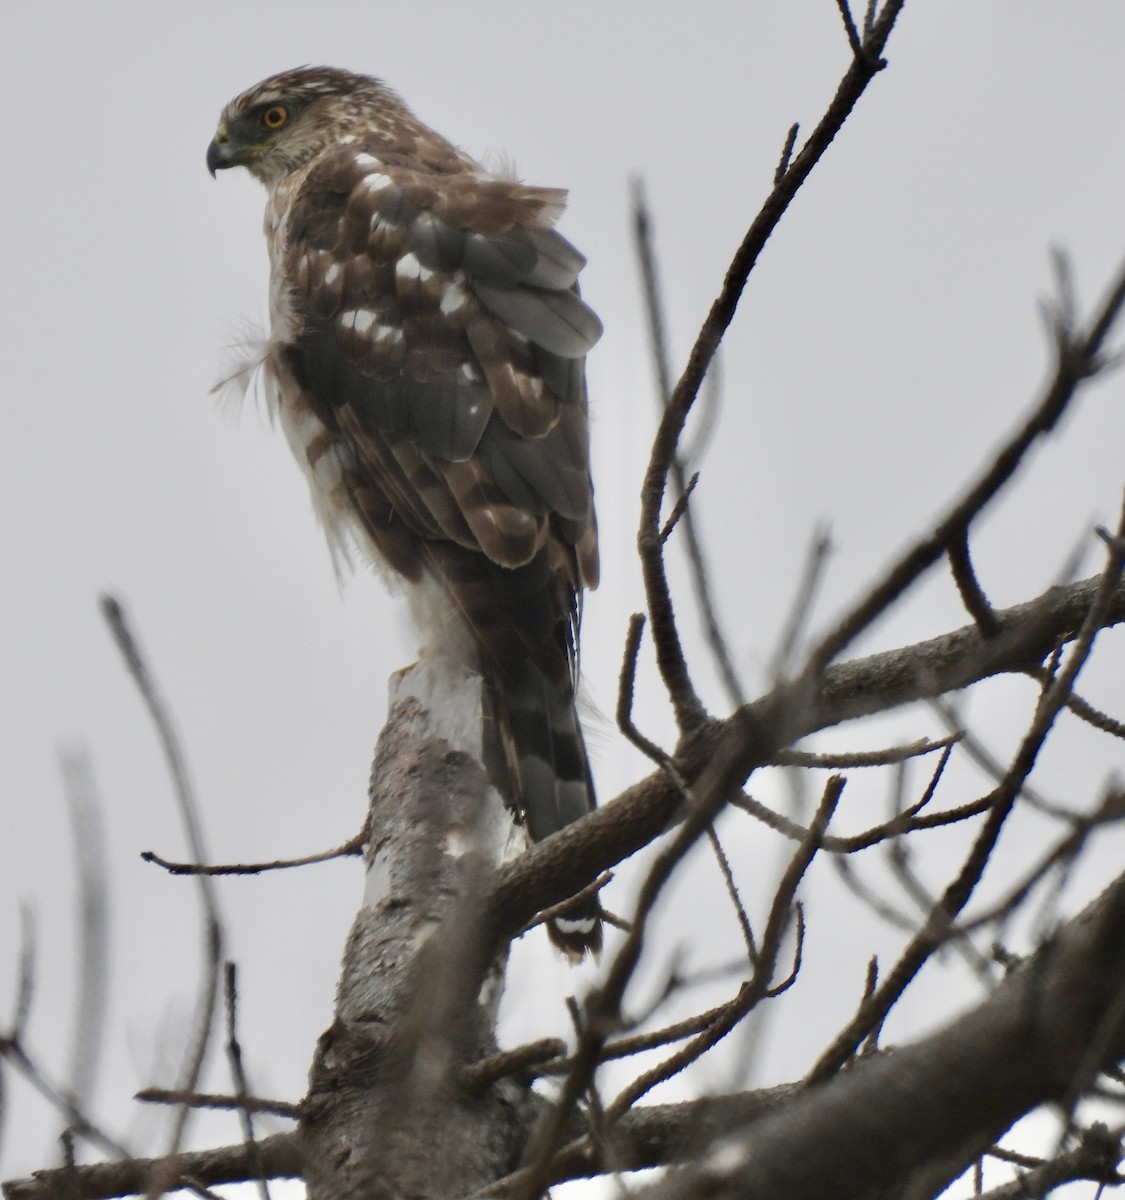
x: 549, y: 779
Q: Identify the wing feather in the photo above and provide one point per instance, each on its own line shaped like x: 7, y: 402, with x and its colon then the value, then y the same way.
x: 557, y: 321
x: 442, y: 326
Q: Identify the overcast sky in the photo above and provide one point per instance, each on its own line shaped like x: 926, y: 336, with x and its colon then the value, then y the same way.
x: 889, y: 337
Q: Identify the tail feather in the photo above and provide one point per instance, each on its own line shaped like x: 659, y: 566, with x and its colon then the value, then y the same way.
x: 549, y: 779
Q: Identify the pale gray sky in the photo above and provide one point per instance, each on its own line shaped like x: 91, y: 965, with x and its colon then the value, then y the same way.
x: 888, y: 338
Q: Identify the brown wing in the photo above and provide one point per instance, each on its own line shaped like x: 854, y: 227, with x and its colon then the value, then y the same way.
x: 443, y: 342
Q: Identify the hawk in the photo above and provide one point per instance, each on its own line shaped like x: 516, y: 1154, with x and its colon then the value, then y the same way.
x: 426, y: 356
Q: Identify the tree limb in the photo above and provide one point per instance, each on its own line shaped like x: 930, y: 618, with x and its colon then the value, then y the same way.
x: 279, y: 1156
x: 555, y: 868
x: 909, y: 1122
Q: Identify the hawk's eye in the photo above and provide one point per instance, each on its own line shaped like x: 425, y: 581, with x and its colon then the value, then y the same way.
x: 275, y: 116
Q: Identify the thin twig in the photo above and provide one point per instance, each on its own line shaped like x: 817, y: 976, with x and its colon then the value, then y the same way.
x: 25, y: 975
x: 974, y: 748
x: 1084, y: 710
x: 238, y: 1075
x: 798, y: 954
x: 549, y: 914
x: 870, y: 983
x: 691, y: 709
x: 972, y: 594
x: 60, y: 1098
x: 850, y: 29
x: 808, y: 587
x: 865, y: 758
x: 352, y: 847
x: 679, y: 509
x: 732, y: 892
x: 213, y: 934
x: 1096, y: 1157
x: 1111, y: 810
x: 530, y: 1059
x: 898, y: 826
x: 93, y: 922
x: 220, y: 1100
x: 786, y: 154
x: 626, y: 688
x: 898, y: 854
x: 869, y: 17
x: 863, y: 892
x: 638, y: 1043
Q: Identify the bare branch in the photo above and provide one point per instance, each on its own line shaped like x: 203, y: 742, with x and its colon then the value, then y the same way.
x: 651, y: 1135
x: 798, y: 954
x: 669, y: 652
x: 679, y: 509
x: 1079, y: 358
x: 530, y: 1058
x: 869, y: 17
x: 865, y: 758
x: 808, y: 587
x: 1084, y: 710
x: 1096, y: 1157
x: 238, y: 1072
x: 25, y: 975
x: 937, y: 927
x: 350, y: 849
x: 280, y: 1157
x: 732, y: 892
x: 1110, y: 810
x: 690, y: 709
x: 910, y: 1122
x: 786, y: 154
x: 972, y: 595
x: 626, y: 688
x: 884, y: 910
x: 555, y: 868
x: 758, y: 987
x: 849, y: 28
x: 92, y: 875
x: 213, y: 936
x: 254, y: 1104
x: 60, y: 1098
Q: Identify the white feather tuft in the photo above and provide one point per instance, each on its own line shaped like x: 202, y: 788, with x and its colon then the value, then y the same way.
x: 243, y: 363
x: 500, y: 165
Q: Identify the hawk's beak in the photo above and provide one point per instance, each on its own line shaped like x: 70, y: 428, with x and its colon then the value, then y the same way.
x: 220, y: 154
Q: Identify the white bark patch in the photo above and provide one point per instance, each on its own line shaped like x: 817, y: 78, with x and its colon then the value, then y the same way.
x: 377, y: 883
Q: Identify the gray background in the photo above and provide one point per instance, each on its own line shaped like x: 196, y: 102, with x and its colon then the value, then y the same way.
x: 887, y: 340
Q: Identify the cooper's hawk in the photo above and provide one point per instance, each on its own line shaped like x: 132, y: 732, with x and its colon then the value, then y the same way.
x: 426, y: 355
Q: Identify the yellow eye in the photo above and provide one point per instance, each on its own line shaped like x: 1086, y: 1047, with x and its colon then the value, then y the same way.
x: 275, y: 116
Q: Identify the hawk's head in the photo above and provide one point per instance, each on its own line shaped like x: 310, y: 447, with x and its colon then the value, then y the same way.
x: 283, y: 122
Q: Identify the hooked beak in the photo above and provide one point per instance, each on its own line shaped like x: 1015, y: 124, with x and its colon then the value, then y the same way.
x: 221, y: 154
